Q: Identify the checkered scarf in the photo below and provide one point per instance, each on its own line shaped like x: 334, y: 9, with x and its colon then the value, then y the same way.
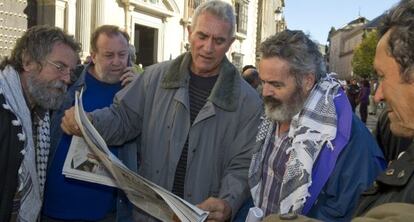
x: 310, y: 129
x: 30, y: 185
x: 42, y: 139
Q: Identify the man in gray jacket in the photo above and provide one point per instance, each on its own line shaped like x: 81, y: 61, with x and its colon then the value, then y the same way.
x: 194, y: 117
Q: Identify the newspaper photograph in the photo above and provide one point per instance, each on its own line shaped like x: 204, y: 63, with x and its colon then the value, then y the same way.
x: 96, y: 159
x: 82, y: 164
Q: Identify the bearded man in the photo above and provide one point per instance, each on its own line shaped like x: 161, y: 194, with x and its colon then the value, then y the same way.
x: 33, y: 81
x: 314, y: 155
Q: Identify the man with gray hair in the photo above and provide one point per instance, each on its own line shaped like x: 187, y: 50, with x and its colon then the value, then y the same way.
x: 314, y: 155
x: 194, y: 118
x: 33, y: 81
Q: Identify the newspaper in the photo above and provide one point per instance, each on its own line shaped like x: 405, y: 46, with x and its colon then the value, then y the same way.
x: 89, y: 159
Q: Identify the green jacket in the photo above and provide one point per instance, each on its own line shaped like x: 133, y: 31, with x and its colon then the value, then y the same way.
x: 155, y: 110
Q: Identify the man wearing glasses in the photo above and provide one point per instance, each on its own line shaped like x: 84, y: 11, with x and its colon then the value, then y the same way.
x: 33, y: 81
x: 68, y: 199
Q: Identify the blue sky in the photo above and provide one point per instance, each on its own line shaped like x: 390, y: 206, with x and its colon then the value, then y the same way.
x: 318, y: 16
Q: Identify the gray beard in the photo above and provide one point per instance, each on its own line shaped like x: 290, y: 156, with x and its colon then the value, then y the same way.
x: 47, y: 95
x: 284, y: 111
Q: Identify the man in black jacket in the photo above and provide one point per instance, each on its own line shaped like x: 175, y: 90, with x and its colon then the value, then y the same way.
x: 33, y: 81
x: 394, y: 63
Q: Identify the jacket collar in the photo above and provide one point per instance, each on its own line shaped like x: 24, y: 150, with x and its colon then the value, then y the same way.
x: 226, y: 90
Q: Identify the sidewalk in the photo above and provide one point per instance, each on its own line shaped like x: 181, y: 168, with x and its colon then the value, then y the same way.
x: 372, y: 119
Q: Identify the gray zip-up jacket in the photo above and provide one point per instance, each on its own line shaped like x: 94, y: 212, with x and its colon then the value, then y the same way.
x: 155, y: 110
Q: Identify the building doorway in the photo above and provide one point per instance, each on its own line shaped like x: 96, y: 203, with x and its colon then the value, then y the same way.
x: 146, y: 45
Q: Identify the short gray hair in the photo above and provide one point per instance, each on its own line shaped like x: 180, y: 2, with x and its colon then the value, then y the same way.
x: 221, y: 9
x: 301, y: 53
x: 400, y: 19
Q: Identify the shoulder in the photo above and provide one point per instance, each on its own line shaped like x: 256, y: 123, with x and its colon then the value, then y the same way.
x: 362, y: 142
x: 249, y: 93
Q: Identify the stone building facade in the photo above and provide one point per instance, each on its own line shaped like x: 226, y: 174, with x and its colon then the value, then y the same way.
x: 158, y: 28
x: 342, y: 43
x: 13, y: 22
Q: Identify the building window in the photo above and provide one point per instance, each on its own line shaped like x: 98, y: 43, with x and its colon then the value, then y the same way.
x: 241, y: 16
x: 237, y: 60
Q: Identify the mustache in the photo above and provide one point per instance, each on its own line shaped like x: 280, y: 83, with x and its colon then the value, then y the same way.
x: 268, y: 100
x: 59, y: 85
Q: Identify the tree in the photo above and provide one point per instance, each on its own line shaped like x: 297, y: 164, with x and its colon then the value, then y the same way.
x: 362, y: 62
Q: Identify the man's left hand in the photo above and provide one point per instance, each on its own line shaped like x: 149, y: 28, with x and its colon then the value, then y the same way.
x: 128, y: 76
x: 219, y: 209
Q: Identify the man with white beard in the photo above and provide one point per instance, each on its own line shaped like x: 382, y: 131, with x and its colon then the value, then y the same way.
x: 33, y: 81
x: 314, y: 155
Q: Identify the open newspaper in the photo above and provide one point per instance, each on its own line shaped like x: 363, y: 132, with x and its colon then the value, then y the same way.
x: 89, y: 159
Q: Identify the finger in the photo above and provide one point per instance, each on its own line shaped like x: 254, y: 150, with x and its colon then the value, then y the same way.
x: 65, y: 128
x: 126, y: 81
x: 215, y: 216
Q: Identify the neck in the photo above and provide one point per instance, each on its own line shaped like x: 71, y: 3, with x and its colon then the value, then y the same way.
x: 283, y: 127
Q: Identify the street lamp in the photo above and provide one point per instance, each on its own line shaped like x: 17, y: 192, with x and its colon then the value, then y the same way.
x: 278, y: 14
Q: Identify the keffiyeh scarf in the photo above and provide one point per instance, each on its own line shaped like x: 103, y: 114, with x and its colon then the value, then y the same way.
x: 30, y: 181
x: 313, y: 127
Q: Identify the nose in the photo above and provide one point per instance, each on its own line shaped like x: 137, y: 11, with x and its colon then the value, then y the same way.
x: 266, y: 91
x: 208, y: 45
x: 118, y: 60
x: 66, y: 77
x: 379, y: 96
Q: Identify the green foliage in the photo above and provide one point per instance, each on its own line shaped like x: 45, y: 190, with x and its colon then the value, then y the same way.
x: 362, y: 62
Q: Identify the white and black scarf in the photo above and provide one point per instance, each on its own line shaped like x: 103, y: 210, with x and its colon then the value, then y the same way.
x: 32, y: 171
x: 314, y: 126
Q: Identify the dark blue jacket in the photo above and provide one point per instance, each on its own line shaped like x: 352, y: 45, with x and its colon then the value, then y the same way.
x: 127, y: 154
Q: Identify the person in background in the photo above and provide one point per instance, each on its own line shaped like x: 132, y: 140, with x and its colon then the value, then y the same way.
x: 364, y: 100
x: 251, y: 76
x: 314, y: 155
x: 69, y: 199
x: 194, y: 118
x: 352, y: 92
x: 372, y: 108
x: 33, y: 82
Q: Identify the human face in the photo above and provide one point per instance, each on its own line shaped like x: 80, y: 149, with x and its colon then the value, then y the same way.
x: 210, y: 40
x: 282, y: 96
x: 398, y: 94
x: 46, y: 86
x: 110, y: 58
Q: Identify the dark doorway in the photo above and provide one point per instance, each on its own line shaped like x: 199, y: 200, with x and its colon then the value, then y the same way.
x: 146, y: 45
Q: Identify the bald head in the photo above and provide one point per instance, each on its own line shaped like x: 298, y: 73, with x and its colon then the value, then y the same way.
x: 252, y: 77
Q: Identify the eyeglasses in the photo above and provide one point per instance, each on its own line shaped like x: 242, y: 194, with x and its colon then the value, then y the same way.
x: 62, y: 68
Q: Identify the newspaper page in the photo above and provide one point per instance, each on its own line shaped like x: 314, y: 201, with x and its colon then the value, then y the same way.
x: 144, y: 194
x: 82, y: 164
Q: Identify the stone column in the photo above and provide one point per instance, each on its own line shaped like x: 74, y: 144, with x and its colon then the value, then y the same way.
x: 99, y: 13
x: 83, y: 25
x: 70, y: 25
x: 128, y: 9
x: 60, y: 14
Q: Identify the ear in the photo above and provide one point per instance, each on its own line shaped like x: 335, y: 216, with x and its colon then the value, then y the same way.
x: 308, y: 82
x: 189, y: 32
x: 28, y: 64
x: 93, y: 57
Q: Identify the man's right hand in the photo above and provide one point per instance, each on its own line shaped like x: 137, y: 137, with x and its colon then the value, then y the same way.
x: 69, y: 124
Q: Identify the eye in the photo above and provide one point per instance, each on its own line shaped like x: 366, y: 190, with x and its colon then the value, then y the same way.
x: 202, y: 36
x: 60, y: 67
x: 220, y: 41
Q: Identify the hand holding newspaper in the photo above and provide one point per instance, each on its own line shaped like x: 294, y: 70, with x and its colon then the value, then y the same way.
x: 96, y: 159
